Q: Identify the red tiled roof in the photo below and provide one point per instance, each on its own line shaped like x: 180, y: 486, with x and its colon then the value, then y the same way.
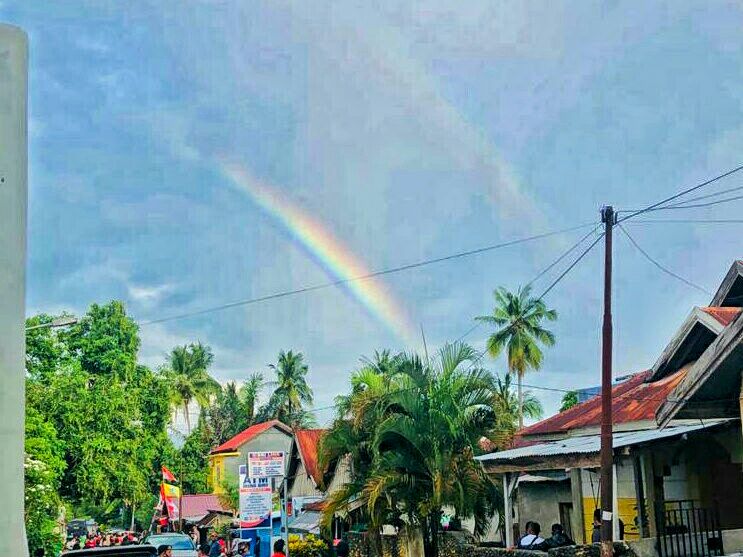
x: 308, y: 441
x: 632, y: 401
x: 196, y: 506
x: 247, y: 434
x: 724, y: 315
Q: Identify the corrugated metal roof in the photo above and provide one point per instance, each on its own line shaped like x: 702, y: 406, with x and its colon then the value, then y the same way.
x: 248, y: 434
x: 725, y: 315
x: 632, y: 401
x: 591, y: 443
x: 308, y: 442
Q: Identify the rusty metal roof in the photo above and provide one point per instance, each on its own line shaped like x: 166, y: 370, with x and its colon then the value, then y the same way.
x: 632, y: 401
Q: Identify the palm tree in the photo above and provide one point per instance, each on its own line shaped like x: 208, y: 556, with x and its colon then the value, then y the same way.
x: 189, y: 379
x: 291, y: 390
x: 425, y: 444
x: 249, y: 395
x: 518, y: 318
x: 506, y: 406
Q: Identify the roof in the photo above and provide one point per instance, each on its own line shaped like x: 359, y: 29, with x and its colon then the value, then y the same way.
x: 196, y: 507
x: 307, y: 522
x: 632, y: 401
x: 730, y: 291
x: 249, y: 434
x: 308, y: 441
x: 725, y: 315
x: 587, y: 444
x: 318, y: 506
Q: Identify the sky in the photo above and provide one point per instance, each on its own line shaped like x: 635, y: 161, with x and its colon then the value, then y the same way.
x: 184, y: 155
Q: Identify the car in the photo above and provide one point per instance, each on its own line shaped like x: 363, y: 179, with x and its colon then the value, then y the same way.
x: 182, y: 544
x: 115, y: 551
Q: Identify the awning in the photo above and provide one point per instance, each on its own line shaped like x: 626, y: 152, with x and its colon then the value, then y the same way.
x: 552, y: 455
x: 306, y: 523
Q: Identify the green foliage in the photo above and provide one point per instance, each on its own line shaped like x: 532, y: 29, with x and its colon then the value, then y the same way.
x: 193, y: 458
x: 413, y: 426
x: 43, y: 466
x: 291, y: 392
x: 518, y: 319
x: 309, y: 546
x: 229, y: 496
x: 506, y: 406
x: 569, y: 400
x: 187, y: 374
x: 95, y: 419
x: 105, y: 341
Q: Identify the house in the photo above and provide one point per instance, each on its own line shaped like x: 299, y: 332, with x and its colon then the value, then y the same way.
x: 677, y: 446
x: 224, y: 460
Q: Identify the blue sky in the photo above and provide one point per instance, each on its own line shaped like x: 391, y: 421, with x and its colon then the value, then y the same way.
x: 412, y: 130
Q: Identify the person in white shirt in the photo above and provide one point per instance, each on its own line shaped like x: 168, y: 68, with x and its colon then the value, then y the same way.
x: 531, y: 538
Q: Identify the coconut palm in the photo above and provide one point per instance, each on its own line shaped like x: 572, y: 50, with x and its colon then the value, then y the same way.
x: 249, y: 393
x: 506, y: 406
x: 518, y: 317
x: 291, y: 391
x: 187, y: 373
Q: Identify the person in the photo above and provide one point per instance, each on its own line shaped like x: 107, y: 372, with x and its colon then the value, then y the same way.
x: 557, y: 539
x: 204, y: 550
x: 164, y: 551
x: 235, y: 545
x: 195, y: 535
x: 214, y: 549
x: 596, y: 534
x: 342, y: 549
x: 527, y: 527
x: 532, y: 537
x: 278, y: 549
x: 257, y: 547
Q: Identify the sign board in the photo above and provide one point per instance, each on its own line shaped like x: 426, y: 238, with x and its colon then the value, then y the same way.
x: 255, y: 503
x: 266, y: 464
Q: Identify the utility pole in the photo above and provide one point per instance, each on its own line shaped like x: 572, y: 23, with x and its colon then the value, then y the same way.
x: 608, y: 217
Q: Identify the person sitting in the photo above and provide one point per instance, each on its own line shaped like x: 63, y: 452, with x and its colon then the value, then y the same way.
x: 526, y: 532
x: 557, y: 539
x: 532, y: 537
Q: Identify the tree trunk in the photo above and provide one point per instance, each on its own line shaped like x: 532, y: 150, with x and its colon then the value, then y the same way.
x: 188, y: 418
x: 131, y: 525
x: 521, y: 402
x: 431, y: 534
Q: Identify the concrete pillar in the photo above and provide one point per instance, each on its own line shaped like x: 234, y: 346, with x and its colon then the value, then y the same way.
x: 13, y: 195
x: 648, y: 476
x: 576, y: 492
x: 508, y: 507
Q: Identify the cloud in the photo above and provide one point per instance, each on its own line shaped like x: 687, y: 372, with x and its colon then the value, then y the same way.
x: 148, y: 295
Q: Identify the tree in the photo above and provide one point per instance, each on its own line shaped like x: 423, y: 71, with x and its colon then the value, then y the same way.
x: 249, y: 392
x: 105, y: 341
x: 518, y: 318
x: 426, y: 420
x: 291, y: 391
x: 569, y: 400
x: 506, y: 406
x: 189, y: 379
x: 193, y: 459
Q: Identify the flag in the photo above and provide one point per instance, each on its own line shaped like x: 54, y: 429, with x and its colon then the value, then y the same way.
x: 168, y: 476
x: 171, y: 495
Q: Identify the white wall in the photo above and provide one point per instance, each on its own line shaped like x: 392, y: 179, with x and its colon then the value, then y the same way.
x: 13, y: 195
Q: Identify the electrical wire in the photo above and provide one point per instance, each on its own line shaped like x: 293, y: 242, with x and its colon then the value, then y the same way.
x: 661, y: 267
x: 682, y: 193
x: 698, y: 205
x: 537, y: 277
x: 687, y: 221
x: 708, y: 196
x: 572, y: 265
x: 367, y: 276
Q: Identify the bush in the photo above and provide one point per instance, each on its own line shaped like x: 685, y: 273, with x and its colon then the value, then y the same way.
x: 309, y: 546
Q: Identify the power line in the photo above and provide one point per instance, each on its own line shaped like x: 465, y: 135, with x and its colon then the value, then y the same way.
x: 537, y: 277
x: 688, y: 221
x: 682, y: 193
x: 661, y: 267
x: 570, y: 268
x: 367, y: 276
x: 698, y: 205
x: 709, y: 195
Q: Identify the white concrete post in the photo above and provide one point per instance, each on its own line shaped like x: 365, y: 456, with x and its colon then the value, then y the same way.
x: 615, y: 503
x: 13, y: 195
x: 508, y: 508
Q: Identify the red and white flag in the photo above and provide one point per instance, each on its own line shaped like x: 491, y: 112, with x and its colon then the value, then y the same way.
x: 168, y: 476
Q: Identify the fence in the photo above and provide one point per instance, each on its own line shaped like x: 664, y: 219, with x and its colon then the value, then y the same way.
x: 687, y: 530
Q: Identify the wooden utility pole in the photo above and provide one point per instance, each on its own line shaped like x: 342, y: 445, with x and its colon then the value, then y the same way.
x: 608, y: 217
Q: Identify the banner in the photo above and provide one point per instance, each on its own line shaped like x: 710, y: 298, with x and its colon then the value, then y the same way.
x: 266, y: 464
x: 255, y: 503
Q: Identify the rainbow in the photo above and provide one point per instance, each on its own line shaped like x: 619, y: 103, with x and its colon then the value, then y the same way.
x: 335, y: 258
